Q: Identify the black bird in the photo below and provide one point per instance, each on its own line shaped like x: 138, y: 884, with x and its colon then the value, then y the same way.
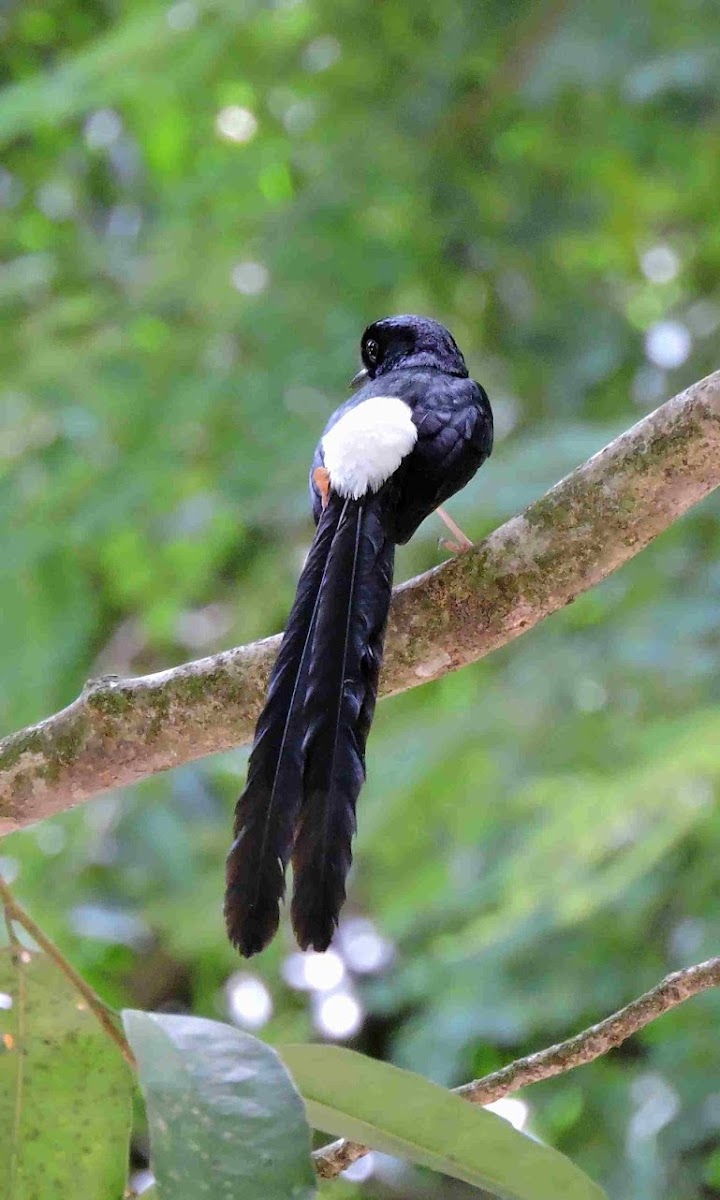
x: 413, y: 434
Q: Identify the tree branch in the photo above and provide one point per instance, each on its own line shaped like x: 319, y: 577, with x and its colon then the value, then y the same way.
x: 589, y: 524
x: 565, y: 1056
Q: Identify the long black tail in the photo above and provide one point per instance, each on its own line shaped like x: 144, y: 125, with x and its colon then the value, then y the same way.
x: 341, y: 690
x: 267, y: 810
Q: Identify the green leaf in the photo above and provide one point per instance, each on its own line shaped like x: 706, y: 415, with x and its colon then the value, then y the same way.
x: 65, y: 1090
x: 404, y: 1114
x: 221, y: 1106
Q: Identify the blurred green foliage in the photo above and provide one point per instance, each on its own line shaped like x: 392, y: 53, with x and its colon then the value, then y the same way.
x: 201, y: 206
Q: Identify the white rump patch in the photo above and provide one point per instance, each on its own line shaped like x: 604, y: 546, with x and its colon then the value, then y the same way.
x: 367, y: 445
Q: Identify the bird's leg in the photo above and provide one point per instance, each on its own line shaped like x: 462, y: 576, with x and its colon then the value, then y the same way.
x: 462, y: 542
x: 321, y: 479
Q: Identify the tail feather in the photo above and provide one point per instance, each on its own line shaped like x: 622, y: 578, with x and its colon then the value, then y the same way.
x: 379, y: 584
x: 340, y: 698
x: 266, y: 812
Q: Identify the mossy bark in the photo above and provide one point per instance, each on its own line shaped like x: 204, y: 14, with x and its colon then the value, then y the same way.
x: 588, y: 525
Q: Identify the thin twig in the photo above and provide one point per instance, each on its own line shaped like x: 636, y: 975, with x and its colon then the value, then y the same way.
x: 15, y: 912
x: 12, y: 935
x: 330, y: 1160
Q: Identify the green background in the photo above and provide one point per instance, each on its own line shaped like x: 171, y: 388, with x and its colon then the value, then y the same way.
x: 538, y: 840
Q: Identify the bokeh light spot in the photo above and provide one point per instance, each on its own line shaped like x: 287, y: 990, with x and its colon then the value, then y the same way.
x: 102, y: 128
x: 668, y: 344
x: 313, y: 972
x: 249, y: 1001
x: 364, y: 950
x: 360, y: 1171
x: 648, y: 386
x: 320, y: 54
x: 250, y: 278
x: 141, y: 1181
x: 236, y: 124
x: 660, y: 264
x: 182, y: 16
x: 511, y: 1109
x: 55, y: 200
x: 339, y: 1015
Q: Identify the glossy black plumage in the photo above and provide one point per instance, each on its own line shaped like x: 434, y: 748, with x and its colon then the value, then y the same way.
x: 340, y: 698
x: 267, y: 809
x: 307, y: 765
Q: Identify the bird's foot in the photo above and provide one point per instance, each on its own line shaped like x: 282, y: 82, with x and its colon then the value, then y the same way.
x: 461, y: 544
x: 454, y: 547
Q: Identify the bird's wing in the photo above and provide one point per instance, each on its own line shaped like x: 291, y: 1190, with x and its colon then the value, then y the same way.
x: 455, y: 435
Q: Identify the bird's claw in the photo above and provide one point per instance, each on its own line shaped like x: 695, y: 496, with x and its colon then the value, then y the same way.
x: 455, y: 547
x: 462, y: 542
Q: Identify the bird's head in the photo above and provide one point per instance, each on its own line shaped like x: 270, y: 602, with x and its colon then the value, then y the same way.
x: 401, y: 342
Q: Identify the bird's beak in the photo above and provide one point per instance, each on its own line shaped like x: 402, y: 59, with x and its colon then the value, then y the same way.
x: 358, y: 380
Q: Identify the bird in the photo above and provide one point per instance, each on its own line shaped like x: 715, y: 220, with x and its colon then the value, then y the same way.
x: 413, y: 432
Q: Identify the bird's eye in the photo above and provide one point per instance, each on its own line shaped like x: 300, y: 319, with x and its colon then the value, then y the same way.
x: 372, y: 351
